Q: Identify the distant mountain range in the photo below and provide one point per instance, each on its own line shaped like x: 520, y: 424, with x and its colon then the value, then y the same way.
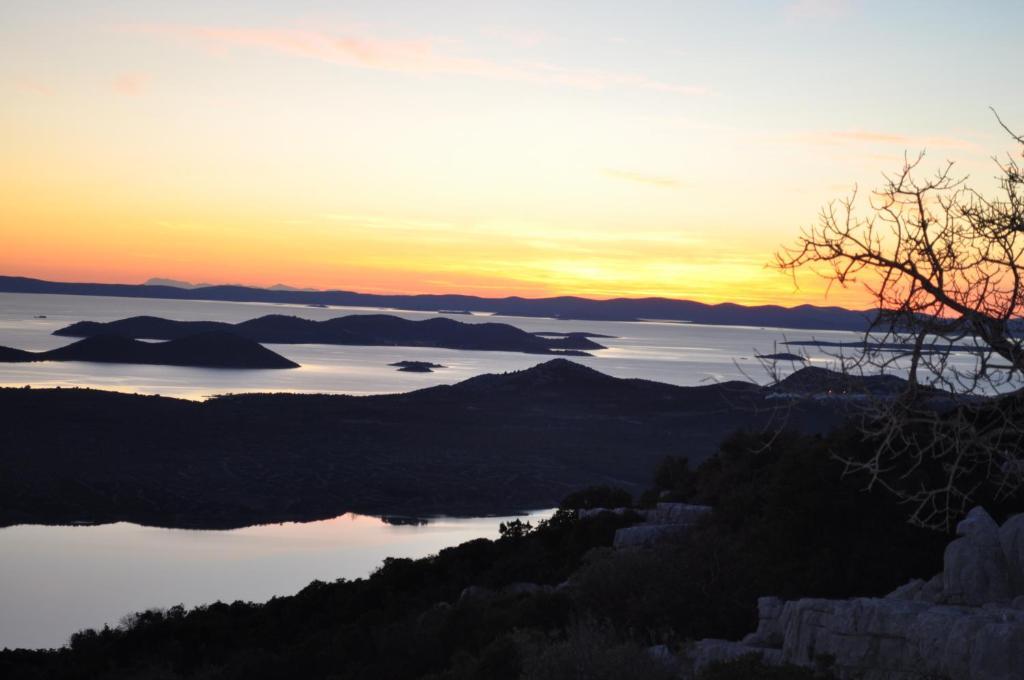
x: 175, y: 283
x: 208, y: 350
x: 563, y: 307
x: 355, y: 329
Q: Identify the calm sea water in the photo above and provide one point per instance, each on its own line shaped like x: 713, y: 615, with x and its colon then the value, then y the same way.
x: 682, y: 354
x: 57, y: 580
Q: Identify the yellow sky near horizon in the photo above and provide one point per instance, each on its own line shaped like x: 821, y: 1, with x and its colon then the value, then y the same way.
x: 533, y: 151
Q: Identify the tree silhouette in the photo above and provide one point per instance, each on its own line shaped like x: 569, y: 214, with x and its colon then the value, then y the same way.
x: 945, y: 266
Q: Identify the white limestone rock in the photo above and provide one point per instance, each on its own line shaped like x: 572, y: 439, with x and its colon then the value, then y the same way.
x: 1011, y: 536
x: 645, y: 535
x: 965, y: 623
x: 678, y: 513
x: 975, y: 569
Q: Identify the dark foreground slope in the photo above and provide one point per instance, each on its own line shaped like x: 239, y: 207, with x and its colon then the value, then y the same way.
x: 563, y: 307
x: 212, y: 349
x: 356, y: 329
x: 491, y: 444
x: 553, y: 602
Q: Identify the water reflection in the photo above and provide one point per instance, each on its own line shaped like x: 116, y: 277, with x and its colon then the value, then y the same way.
x: 58, y: 580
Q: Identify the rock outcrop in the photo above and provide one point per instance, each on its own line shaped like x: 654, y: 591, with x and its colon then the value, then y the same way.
x: 974, y: 566
x: 665, y: 522
x: 965, y: 623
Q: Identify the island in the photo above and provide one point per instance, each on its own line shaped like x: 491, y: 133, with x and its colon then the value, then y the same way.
x: 416, y: 366
x: 206, y: 350
x: 356, y: 329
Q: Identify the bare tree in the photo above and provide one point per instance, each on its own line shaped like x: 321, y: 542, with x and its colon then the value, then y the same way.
x: 945, y: 266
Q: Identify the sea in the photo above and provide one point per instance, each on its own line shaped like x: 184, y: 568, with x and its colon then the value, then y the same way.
x: 56, y: 580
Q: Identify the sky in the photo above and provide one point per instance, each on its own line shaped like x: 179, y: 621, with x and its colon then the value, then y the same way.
x: 594, y: 148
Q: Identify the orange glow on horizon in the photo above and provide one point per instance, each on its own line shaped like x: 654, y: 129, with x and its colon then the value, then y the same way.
x: 394, y: 152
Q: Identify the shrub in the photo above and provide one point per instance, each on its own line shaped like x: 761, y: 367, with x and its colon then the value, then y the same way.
x: 597, y: 497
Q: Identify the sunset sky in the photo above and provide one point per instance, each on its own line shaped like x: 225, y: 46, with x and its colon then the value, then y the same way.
x: 530, y: 148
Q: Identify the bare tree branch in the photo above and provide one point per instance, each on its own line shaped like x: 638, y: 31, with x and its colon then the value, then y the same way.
x: 943, y: 263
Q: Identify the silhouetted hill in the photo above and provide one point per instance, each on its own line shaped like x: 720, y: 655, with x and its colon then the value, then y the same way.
x: 491, y: 444
x: 816, y: 380
x: 12, y: 355
x: 564, y: 307
x: 209, y: 350
x: 357, y: 329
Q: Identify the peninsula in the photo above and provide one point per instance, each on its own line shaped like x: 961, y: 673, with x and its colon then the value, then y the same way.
x: 492, y: 444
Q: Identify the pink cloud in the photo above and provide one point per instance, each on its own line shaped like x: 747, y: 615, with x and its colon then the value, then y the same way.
x: 34, y: 87
x: 413, y: 56
x: 131, y: 84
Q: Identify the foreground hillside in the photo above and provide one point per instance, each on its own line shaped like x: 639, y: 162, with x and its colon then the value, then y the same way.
x: 555, y: 602
x: 491, y: 444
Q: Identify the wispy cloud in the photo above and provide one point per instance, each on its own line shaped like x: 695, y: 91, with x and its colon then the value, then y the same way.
x: 837, y: 137
x: 641, y: 178
x: 34, y: 87
x: 413, y: 56
x: 131, y: 84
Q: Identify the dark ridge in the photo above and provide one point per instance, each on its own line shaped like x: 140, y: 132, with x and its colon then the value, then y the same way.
x: 817, y: 380
x: 207, y: 350
x: 490, y: 445
x: 357, y: 329
x: 564, y: 307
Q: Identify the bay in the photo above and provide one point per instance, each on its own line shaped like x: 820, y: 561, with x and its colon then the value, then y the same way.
x: 57, y: 580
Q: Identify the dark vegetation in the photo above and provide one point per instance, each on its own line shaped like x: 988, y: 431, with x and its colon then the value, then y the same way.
x: 785, y: 523
x: 355, y: 329
x: 565, y: 307
x: 207, y: 349
x: 493, y: 444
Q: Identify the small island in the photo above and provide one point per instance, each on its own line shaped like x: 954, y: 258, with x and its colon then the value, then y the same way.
x: 416, y: 366
x: 781, y: 356
x: 203, y: 350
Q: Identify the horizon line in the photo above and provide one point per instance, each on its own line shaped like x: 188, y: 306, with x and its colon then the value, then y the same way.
x: 313, y: 291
